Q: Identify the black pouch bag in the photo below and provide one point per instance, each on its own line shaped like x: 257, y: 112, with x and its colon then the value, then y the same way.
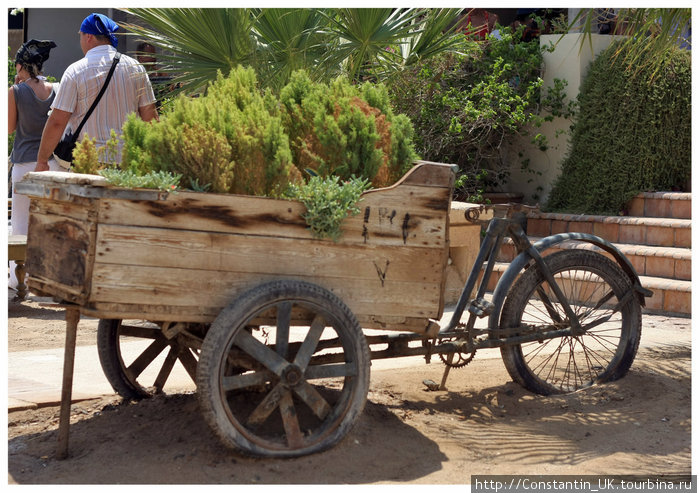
x: 64, y: 149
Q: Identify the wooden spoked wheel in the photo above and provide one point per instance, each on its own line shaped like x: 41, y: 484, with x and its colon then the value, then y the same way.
x: 138, y: 358
x: 283, y: 371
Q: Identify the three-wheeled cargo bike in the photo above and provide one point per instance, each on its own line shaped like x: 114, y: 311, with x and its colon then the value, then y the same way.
x: 269, y: 320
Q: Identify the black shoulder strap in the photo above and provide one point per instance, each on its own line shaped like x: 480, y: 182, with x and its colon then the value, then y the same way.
x: 99, y: 96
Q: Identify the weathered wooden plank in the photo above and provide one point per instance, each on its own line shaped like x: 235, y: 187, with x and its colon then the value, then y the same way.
x: 59, y: 185
x: 410, y: 215
x: 57, y: 177
x: 429, y: 174
x: 48, y: 287
x: 224, y: 253
x: 80, y: 210
x: 207, y: 315
x: 57, y: 249
x: 186, y: 287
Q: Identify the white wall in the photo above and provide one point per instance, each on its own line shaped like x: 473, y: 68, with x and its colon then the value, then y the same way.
x: 570, y: 62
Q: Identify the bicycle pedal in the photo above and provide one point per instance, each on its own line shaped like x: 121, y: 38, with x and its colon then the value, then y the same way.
x: 481, y: 308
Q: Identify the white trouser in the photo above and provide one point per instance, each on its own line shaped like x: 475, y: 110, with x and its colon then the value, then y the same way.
x: 19, y: 217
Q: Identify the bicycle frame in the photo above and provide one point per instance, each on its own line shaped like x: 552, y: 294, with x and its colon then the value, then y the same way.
x: 529, y: 255
x: 479, y: 307
x: 458, y: 337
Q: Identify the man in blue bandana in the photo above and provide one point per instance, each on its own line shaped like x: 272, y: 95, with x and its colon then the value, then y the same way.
x: 129, y: 91
x: 100, y: 25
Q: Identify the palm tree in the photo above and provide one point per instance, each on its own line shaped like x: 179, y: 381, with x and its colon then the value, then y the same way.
x: 288, y: 40
x: 197, y: 43
x: 358, y: 43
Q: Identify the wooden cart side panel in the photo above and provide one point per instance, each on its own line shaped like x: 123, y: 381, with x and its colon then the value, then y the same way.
x: 206, y: 289
x: 186, y: 257
x: 224, y: 255
x: 207, y: 314
x: 408, y: 215
x: 427, y: 174
x: 60, y: 247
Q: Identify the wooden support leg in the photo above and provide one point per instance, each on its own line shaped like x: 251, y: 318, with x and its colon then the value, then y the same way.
x: 72, y: 319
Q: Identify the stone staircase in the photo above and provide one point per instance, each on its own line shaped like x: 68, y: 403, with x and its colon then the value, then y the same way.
x: 655, y: 237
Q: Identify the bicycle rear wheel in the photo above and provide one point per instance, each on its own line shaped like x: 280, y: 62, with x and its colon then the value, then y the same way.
x: 601, y: 296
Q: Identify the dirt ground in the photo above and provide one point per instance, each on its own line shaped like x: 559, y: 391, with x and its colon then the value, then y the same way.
x: 484, y: 424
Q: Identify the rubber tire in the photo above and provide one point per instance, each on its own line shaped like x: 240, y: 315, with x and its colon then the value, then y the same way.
x: 524, y: 287
x: 234, y: 319
x: 110, y: 359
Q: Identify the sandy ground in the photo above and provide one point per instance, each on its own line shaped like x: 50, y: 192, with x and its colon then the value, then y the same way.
x: 484, y: 424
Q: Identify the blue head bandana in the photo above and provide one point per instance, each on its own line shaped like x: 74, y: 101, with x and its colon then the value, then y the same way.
x: 100, y: 25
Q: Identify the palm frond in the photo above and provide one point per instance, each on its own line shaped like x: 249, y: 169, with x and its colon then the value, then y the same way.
x: 196, y: 43
x: 650, y: 33
x: 288, y: 40
x: 436, y: 32
x: 368, y: 37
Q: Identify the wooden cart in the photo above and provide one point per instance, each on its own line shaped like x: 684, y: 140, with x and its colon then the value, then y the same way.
x: 207, y: 270
x: 269, y: 321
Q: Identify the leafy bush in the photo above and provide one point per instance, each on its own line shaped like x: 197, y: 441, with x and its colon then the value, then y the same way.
x: 633, y: 133
x: 328, y: 202
x: 465, y: 106
x: 237, y: 139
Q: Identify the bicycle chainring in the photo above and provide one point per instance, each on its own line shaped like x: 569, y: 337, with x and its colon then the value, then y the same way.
x: 462, y: 359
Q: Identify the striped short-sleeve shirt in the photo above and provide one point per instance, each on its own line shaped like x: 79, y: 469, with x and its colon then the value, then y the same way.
x: 128, y: 90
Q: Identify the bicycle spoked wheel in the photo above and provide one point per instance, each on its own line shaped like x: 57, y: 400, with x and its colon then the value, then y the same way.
x: 596, y: 289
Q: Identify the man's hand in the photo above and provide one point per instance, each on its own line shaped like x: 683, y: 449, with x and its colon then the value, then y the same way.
x: 41, y: 166
x: 148, y: 112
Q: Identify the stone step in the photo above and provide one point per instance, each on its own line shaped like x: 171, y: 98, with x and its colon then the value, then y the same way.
x: 664, y: 262
x: 671, y: 296
x: 652, y: 231
x: 661, y: 204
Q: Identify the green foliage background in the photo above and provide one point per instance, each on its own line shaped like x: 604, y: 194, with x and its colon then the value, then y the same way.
x: 465, y: 106
x: 632, y: 134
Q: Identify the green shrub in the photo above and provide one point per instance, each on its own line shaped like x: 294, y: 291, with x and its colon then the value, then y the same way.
x: 345, y: 130
x: 228, y: 140
x: 632, y: 134
x: 465, y: 106
x: 237, y: 139
x: 328, y: 202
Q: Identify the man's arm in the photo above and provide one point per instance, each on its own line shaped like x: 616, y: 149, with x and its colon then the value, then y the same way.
x: 53, y: 131
x: 148, y: 112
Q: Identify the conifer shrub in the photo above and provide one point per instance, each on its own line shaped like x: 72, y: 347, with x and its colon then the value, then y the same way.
x: 632, y: 134
x: 345, y: 130
x: 239, y: 139
x: 228, y: 141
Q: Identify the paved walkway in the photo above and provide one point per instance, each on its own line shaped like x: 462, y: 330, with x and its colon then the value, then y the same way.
x: 34, y: 377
